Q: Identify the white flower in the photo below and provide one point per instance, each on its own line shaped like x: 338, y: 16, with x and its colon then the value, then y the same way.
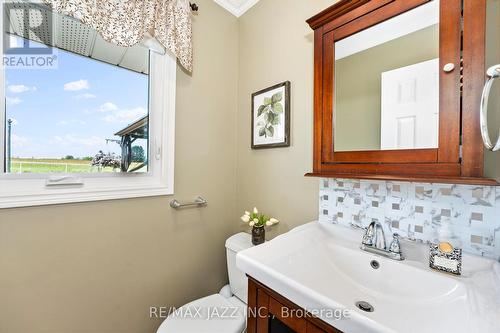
x: 269, y: 223
x: 252, y: 223
x: 274, y: 221
x: 255, y: 211
x: 247, y: 213
x: 245, y: 218
x: 256, y: 220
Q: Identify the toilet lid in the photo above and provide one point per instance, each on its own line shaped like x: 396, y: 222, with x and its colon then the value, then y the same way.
x: 211, y: 314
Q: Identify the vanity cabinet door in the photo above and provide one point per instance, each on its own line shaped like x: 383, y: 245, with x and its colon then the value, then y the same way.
x: 269, y: 312
x: 284, y: 314
x: 311, y: 328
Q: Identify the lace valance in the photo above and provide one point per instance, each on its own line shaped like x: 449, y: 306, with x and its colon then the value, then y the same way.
x: 128, y: 22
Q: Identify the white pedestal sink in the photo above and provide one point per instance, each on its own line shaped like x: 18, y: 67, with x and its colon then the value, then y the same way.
x: 320, y: 267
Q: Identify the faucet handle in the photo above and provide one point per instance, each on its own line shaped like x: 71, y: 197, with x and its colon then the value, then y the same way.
x: 369, y: 236
x: 395, y: 246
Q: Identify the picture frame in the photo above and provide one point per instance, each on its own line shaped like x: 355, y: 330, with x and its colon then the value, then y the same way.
x: 271, y: 117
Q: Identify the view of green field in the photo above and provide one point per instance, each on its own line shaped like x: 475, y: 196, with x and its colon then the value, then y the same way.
x: 34, y: 165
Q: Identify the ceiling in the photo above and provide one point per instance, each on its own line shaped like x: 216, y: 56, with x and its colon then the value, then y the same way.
x: 237, y: 7
x: 70, y: 35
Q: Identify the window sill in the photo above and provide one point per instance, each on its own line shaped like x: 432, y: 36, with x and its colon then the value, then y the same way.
x: 79, y: 195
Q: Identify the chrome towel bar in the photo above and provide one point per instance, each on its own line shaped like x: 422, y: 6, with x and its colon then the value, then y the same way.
x: 492, y: 73
x: 199, y: 202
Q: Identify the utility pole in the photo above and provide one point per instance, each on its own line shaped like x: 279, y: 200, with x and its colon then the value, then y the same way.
x: 9, y: 144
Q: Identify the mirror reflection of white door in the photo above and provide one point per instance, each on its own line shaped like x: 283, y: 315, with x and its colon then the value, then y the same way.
x: 410, y: 107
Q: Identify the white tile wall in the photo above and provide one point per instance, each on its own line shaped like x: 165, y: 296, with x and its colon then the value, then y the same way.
x: 466, y: 216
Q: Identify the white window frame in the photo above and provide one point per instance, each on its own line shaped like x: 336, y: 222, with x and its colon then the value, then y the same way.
x: 20, y: 190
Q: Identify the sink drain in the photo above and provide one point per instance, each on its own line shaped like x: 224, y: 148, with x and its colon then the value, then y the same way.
x: 375, y: 264
x: 365, y: 306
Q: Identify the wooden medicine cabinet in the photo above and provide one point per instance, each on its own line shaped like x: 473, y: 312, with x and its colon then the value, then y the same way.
x: 397, y: 90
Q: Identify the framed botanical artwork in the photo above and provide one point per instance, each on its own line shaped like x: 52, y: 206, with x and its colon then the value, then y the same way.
x: 271, y: 117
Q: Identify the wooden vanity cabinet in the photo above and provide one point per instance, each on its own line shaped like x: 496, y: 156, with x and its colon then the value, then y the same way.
x: 458, y: 157
x: 269, y: 312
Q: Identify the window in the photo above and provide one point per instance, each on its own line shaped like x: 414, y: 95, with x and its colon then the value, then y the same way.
x: 85, y: 116
x: 83, y: 119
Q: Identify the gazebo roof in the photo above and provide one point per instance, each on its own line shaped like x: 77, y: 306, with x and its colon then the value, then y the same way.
x: 138, y: 129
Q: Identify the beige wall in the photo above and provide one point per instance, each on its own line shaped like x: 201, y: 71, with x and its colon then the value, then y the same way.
x: 276, y: 45
x: 97, y: 267
x: 358, y: 88
x: 492, y: 160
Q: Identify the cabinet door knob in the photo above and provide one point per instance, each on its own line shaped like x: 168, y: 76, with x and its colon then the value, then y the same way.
x: 449, y: 67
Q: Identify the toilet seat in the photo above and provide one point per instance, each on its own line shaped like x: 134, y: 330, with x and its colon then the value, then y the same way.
x: 211, y: 314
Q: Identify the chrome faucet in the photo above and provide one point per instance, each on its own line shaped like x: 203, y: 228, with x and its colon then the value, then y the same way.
x: 374, y: 242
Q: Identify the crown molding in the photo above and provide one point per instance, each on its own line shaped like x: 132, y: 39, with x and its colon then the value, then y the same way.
x: 236, y: 10
x: 336, y: 10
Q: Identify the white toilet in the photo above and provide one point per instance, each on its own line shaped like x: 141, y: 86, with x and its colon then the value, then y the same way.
x: 224, y: 312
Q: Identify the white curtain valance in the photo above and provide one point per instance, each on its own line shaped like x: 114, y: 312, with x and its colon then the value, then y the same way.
x: 128, y: 22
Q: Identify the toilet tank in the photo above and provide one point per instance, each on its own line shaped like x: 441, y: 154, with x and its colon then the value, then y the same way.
x: 237, y: 279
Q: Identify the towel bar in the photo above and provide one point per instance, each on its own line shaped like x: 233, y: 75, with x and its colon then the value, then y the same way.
x: 199, y: 202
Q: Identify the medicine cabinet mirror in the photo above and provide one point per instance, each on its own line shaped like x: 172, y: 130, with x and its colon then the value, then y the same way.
x: 387, y: 84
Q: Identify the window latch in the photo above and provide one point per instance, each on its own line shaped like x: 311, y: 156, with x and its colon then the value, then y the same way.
x: 64, y: 181
x: 157, y: 149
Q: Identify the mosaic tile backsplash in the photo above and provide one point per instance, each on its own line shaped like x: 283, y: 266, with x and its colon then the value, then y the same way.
x: 466, y: 216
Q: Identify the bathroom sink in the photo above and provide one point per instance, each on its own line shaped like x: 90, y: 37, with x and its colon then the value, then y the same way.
x: 390, y: 278
x: 320, y: 267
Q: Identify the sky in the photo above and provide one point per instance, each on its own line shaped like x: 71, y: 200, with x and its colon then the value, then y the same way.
x: 73, y: 109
